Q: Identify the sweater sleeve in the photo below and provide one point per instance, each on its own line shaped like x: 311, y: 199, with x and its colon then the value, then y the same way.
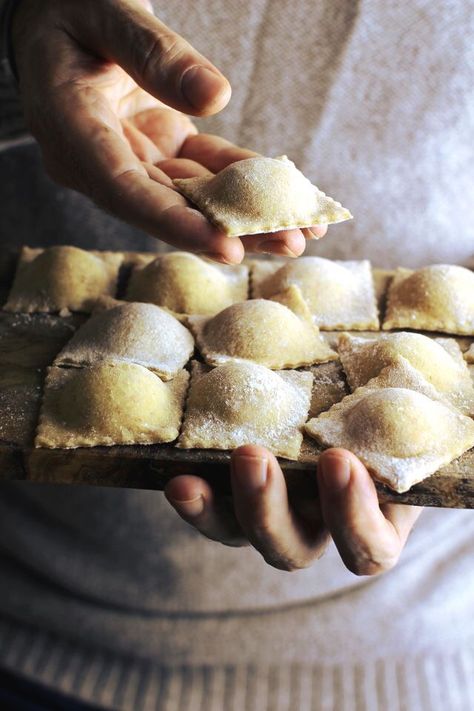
x: 12, y: 122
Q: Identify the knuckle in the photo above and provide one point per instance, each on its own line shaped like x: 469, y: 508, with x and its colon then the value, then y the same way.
x: 372, y: 563
x: 301, y: 564
x: 149, y: 50
x: 157, y: 53
x: 268, y: 537
x: 170, y: 51
x: 287, y: 560
x: 219, y: 533
x: 285, y: 563
x: 231, y: 542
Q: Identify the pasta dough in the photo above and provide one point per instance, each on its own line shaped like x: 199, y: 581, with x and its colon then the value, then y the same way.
x: 261, y: 195
x: 62, y: 279
x: 133, y: 333
x: 242, y: 403
x: 401, y: 374
x: 340, y: 295
x: 439, y: 361
x: 435, y: 298
x: 186, y: 284
x: 109, y: 403
x: 401, y: 434
x: 265, y: 332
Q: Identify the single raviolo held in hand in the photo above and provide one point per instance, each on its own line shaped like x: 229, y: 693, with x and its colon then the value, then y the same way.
x: 261, y: 195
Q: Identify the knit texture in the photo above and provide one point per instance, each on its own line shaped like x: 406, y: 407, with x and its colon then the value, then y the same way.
x: 423, y: 682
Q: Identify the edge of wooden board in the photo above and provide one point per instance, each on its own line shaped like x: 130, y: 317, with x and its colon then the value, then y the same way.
x: 152, y: 467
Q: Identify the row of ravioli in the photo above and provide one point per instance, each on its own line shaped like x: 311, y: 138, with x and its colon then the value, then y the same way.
x: 121, y: 380
x: 339, y: 295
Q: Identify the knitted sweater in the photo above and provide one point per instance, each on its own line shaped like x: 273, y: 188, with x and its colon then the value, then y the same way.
x: 106, y: 594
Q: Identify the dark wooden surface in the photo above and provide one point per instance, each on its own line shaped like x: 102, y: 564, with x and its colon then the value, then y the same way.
x: 151, y: 467
x: 28, y: 345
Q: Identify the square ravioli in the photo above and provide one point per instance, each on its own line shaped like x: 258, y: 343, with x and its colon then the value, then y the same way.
x: 131, y: 332
x: 439, y: 297
x: 263, y: 331
x: 186, y: 284
x: 62, y: 279
x: 259, y: 195
x: 107, y: 404
x: 243, y: 403
x: 439, y: 360
x: 340, y: 295
x: 398, y: 426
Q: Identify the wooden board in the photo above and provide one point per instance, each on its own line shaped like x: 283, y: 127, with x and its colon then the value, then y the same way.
x: 28, y: 345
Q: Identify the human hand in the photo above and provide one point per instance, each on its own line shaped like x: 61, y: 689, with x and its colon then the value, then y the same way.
x: 103, y: 84
x: 291, y: 532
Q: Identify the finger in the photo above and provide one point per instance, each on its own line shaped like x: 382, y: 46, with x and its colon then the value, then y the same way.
x: 158, y: 59
x: 182, y: 168
x: 402, y: 518
x: 188, y: 230
x: 368, y: 541
x: 140, y: 144
x: 106, y: 169
x: 315, y: 232
x: 168, y: 129
x: 194, y: 501
x: 286, y: 243
x: 158, y: 175
x: 263, y: 510
x: 213, y: 152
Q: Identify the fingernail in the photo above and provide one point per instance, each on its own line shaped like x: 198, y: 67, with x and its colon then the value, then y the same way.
x: 335, y: 472
x: 191, y: 507
x: 201, y: 86
x: 273, y: 246
x: 250, y: 472
x: 319, y: 230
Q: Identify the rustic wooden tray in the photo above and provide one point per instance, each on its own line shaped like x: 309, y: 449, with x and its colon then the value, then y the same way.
x: 28, y: 345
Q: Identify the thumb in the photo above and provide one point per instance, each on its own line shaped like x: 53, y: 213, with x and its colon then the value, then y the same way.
x: 158, y: 59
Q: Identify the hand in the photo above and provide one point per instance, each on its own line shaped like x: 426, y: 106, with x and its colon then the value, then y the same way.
x: 291, y: 533
x: 103, y: 85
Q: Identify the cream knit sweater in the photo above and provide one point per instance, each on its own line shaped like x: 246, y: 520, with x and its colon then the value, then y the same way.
x: 106, y: 594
